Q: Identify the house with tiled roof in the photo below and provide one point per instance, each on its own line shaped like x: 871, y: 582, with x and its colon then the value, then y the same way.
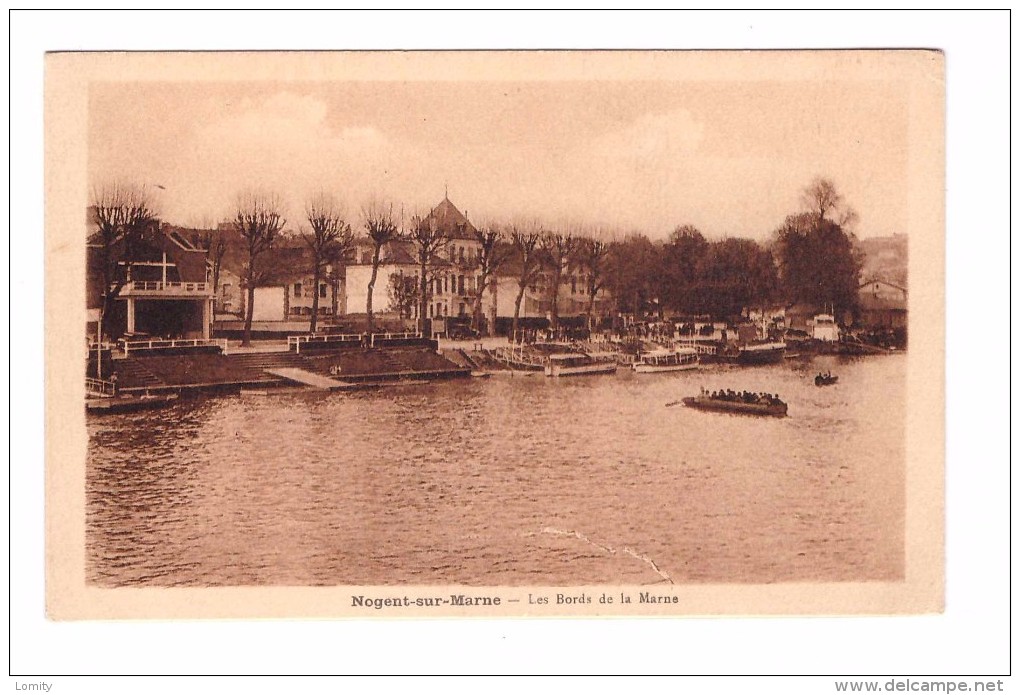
x: 454, y: 273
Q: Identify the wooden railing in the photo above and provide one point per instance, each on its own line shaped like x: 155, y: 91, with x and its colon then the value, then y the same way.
x: 393, y: 336
x: 294, y: 342
x: 128, y: 345
x: 196, y: 288
x: 517, y: 355
x: 99, y: 387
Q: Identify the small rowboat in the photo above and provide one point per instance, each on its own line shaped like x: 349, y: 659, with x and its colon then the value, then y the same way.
x: 773, y: 409
x: 826, y: 380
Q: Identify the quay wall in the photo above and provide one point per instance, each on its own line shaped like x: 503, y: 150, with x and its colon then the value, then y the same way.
x: 203, y: 371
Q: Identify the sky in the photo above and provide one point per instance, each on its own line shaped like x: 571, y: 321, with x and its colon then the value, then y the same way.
x: 731, y: 158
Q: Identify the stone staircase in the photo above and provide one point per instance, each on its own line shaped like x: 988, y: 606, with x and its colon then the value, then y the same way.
x: 132, y: 374
x: 253, y: 365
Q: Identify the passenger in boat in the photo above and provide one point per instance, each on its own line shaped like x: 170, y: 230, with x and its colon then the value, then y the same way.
x: 113, y: 383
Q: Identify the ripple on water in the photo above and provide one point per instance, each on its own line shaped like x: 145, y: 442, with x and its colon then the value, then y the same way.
x: 460, y: 482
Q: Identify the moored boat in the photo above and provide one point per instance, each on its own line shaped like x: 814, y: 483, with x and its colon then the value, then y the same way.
x: 128, y: 404
x: 667, y: 361
x: 761, y: 353
x: 770, y: 406
x: 576, y: 364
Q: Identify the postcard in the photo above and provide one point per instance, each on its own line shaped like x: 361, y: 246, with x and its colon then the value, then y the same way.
x: 494, y: 334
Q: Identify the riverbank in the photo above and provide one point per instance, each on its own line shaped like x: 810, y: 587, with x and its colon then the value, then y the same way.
x: 255, y: 368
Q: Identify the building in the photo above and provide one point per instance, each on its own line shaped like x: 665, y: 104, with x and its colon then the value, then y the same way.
x: 881, y: 304
x: 284, y: 293
x: 571, y: 298
x: 453, y: 274
x: 164, y: 287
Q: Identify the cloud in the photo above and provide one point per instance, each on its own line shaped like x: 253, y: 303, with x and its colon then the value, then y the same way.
x: 284, y: 143
x: 653, y: 136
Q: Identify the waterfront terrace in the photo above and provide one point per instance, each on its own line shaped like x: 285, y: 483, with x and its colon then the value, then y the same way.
x: 205, y: 367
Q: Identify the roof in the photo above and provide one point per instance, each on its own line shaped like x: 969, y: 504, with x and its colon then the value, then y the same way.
x: 872, y: 281
x: 451, y: 221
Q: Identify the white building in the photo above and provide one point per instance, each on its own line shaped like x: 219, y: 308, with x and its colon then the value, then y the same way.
x: 454, y: 275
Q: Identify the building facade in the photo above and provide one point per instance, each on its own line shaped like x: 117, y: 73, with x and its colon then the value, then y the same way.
x: 882, y: 304
x: 165, y: 289
x: 453, y: 274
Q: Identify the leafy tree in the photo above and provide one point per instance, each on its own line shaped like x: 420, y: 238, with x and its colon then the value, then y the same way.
x: 681, y: 257
x: 818, y: 261
x: 732, y: 275
x: 634, y: 272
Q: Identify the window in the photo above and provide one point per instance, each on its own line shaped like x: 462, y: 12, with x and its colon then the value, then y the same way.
x: 461, y: 254
x: 297, y: 289
x: 226, y: 289
x: 322, y: 290
x: 573, y: 285
x: 460, y: 282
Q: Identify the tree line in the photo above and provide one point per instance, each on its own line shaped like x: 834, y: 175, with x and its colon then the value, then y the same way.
x: 810, y: 258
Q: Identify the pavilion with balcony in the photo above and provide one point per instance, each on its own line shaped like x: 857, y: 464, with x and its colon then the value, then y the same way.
x: 164, y: 290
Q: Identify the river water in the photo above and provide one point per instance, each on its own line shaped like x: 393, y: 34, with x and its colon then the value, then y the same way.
x: 508, y: 481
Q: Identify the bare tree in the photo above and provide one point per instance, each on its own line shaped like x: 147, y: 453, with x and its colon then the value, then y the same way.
x: 123, y: 213
x: 259, y: 221
x: 382, y: 230
x: 558, y: 250
x: 330, y: 240
x: 492, y: 254
x: 216, y: 248
x: 429, y: 241
x: 821, y: 198
x: 528, y: 257
x: 593, y: 258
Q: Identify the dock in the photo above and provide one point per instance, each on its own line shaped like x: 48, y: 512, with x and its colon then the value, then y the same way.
x: 303, y: 376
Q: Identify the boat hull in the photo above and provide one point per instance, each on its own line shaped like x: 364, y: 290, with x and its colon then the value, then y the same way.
x: 771, y: 356
x: 736, y: 407
x: 580, y: 370
x: 127, y: 404
x: 641, y: 368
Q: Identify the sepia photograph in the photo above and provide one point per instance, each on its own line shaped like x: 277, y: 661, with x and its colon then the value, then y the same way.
x: 504, y: 333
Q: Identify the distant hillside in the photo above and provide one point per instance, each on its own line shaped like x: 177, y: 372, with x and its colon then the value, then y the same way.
x: 885, y: 258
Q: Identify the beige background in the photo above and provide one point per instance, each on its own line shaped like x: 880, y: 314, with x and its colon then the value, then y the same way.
x: 67, y: 80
